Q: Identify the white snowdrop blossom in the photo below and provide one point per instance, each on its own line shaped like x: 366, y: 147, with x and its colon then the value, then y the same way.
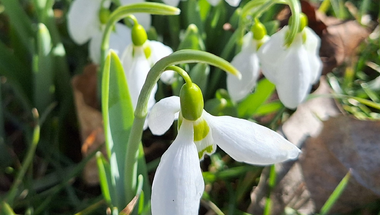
x: 247, y: 62
x: 293, y: 68
x: 138, y: 58
x: 178, y: 185
x: 86, y: 22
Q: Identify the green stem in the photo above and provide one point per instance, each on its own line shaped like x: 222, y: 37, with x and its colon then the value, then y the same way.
x: 124, y: 11
x: 179, y: 57
x: 181, y: 72
x: 295, y: 21
x: 27, y: 161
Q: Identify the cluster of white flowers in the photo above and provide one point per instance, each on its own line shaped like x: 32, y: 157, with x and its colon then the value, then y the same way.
x: 178, y: 183
x: 293, y: 68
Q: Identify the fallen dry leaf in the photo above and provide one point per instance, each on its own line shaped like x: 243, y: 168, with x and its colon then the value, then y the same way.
x: 344, y: 143
x: 90, y: 120
x: 291, y: 190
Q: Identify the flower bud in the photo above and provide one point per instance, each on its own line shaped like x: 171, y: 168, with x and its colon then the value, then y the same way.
x: 259, y: 31
x: 139, y: 35
x: 191, y: 101
x: 104, y: 14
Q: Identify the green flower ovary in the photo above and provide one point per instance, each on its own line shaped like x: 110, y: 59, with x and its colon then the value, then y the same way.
x: 191, y: 101
x: 104, y: 14
x: 259, y: 31
x: 139, y: 35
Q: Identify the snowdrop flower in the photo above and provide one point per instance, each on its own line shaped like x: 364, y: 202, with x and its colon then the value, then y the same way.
x: 86, y: 22
x: 178, y: 184
x: 247, y: 62
x: 292, y: 68
x: 138, y: 58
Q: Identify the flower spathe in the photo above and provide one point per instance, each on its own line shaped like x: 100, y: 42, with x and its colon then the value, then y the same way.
x: 247, y: 62
x: 243, y: 140
x: 294, y: 68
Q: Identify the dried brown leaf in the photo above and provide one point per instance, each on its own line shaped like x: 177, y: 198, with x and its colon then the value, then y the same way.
x: 291, y: 190
x: 344, y: 143
x: 90, y: 119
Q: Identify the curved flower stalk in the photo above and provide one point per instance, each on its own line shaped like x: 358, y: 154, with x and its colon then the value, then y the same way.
x: 138, y: 58
x: 198, y: 135
x: 247, y: 62
x: 292, y: 68
x: 144, y: 19
x: 86, y: 22
x: 233, y: 3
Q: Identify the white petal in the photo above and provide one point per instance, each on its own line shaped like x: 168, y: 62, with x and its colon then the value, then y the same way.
x: 247, y: 40
x: 178, y: 183
x: 163, y: 114
x: 94, y: 47
x: 295, y: 76
x: 247, y: 63
x: 159, y: 50
x: 173, y: 3
x: 272, y: 53
x: 136, y: 69
x: 249, y: 142
x: 119, y: 40
x: 233, y: 3
x: 83, y: 20
x: 312, y: 45
x: 213, y: 2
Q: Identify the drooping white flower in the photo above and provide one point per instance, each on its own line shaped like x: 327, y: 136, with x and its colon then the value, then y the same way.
x: 243, y: 140
x: 178, y: 184
x: 294, y: 68
x: 138, y: 58
x: 87, y: 23
x: 247, y: 62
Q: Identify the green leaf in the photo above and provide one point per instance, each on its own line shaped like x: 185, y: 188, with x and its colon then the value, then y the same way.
x: 249, y: 105
x: 192, y: 39
x: 5, y: 209
x: 43, y: 73
x: 192, y: 14
x: 19, y: 21
x: 104, y: 178
x: 336, y: 193
x: 118, y: 118
x: 12, y: 68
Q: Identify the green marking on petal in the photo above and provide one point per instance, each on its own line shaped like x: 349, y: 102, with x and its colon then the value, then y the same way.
x: 201, y: 129
x: 304, y: 37
x: 208, y: 150
x: 147, y: 51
